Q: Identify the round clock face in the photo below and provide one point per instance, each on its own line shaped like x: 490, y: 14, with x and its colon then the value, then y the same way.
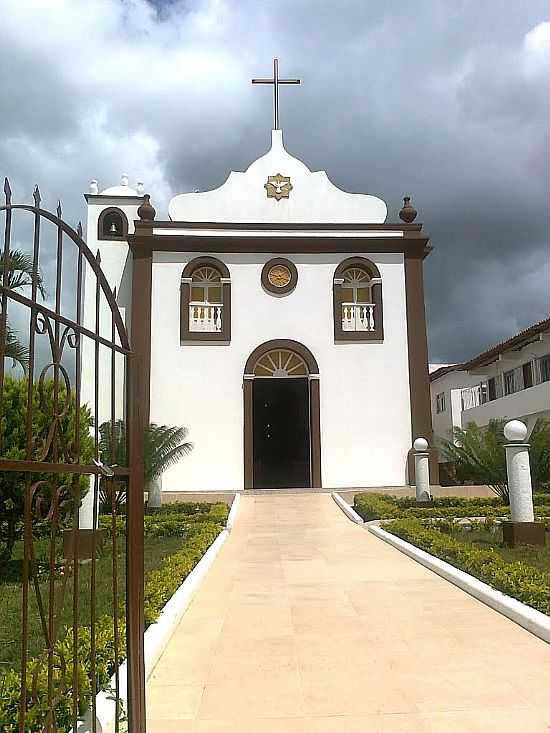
x: 279, y: 276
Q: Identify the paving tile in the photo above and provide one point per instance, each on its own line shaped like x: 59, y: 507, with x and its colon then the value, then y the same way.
x: 308, y: 623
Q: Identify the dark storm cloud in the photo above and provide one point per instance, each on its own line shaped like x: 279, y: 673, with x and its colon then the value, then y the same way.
x: 446, y: 101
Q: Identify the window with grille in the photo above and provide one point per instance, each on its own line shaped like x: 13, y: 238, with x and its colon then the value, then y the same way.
x: 440, y: 405
x: 544, y: 366
x: 509, y: 382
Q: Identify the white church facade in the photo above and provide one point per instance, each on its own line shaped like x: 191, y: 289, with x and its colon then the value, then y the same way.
x: 277, y: 317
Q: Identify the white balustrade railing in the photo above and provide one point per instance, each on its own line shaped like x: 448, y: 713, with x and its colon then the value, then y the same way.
x: 358, y: 317
x: 472, y: 397
x: 205, y: 317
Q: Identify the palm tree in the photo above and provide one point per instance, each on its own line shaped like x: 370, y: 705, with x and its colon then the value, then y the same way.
x: 163, y: 447
x: 479, y: 455
x: 18, y: 274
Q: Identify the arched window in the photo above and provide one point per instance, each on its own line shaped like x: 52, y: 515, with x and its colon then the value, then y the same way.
x: 112, y: 224
x: 205, y: 301
x: 357, y: 301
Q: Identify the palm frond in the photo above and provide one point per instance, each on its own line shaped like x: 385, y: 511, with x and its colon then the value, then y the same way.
x: 478, y: 455
x: 15, y: 350
x: 20, y: 271
x: 112, y: 443
x: 164, y: 446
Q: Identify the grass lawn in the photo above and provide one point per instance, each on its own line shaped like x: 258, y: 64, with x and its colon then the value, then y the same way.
x: 538, y: 557
x: 156, y: 551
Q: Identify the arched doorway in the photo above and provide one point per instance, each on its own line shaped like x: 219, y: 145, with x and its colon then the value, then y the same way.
x: 282, y: 443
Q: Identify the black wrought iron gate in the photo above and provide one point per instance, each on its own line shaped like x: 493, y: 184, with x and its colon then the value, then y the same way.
x: 71, y: 485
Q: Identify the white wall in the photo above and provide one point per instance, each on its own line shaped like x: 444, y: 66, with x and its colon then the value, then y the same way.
x: 450, y: 385
x: 115, y: 260
x: 365, y: 404
x: 525, y: 404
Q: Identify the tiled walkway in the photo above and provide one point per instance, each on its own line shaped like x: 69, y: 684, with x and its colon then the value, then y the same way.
x: 306, y: 623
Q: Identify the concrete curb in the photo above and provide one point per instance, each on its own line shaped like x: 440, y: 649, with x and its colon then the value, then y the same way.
x: 532, y: 620
x: 158, y: 635
x: 345, y: 507
x: 233, y: 512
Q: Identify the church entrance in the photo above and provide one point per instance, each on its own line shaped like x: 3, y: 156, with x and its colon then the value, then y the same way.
x: 281, y: 433
x: 281, y: 417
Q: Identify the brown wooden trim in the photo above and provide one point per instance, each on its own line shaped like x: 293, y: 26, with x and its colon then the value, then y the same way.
x: 290, y: 345
x: 411, y: 246
x: 291, y: 267
x: 185, y: 297
x: 338, y: 299
x: 139, y: 380
x: 315, y: 432
x: 363, y: 262
x: 248, y: 433
x: 314, y: 409
x: 419, y: 380
x: 275, y: 226
x: 197, y: 262
x: 117, y: 238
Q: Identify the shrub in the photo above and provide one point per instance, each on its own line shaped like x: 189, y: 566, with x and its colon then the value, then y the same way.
x: 13, y: 428
x: 163, y: 583
x: 478, y: 455
x: 517, y: 579
x: 176, y: 523
x: 160, y: 585
x: 384, y: 506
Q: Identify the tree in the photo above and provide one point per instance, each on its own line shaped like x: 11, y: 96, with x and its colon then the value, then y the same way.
x: 19, y: 274
x: 478, y: 455
x: 13, y: 432
x: 163, y: 447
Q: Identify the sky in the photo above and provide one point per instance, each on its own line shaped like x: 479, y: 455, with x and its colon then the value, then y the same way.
x: 447, y: 101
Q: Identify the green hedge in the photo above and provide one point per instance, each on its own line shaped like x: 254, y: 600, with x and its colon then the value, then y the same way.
x: 172, y: 523
x: 383, y: 506
x: 160, y: 585
x: 517, y: 579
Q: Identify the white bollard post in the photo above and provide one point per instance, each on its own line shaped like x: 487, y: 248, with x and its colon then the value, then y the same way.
x: 519, y: 472
x: 522, y: 529
x: 422, y: 469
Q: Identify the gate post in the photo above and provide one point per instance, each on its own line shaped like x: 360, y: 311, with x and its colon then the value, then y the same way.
x: 139, y: 386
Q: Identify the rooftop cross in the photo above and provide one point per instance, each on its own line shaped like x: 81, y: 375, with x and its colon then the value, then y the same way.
x: 276, y: 81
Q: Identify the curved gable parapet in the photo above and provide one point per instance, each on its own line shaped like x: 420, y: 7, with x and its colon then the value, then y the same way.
x: 250, y: 197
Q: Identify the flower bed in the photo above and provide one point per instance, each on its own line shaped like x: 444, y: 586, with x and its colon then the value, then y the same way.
x: 198, y: 530
x: 371, y: 506
x: 517, y: 579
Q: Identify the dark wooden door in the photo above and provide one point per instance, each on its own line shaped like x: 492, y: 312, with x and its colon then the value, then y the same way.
x: 281, y: 434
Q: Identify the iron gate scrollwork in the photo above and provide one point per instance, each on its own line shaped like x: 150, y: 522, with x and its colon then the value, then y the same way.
x: 63, y: 508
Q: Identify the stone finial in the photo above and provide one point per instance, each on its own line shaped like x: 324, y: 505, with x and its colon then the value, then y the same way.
x: 93, y: 186
x: 146, y: 212
x: 124, y: 179
x: 420, y: 444
x: 515, y: 431
x: 139, y: 188
x: 408, y: 212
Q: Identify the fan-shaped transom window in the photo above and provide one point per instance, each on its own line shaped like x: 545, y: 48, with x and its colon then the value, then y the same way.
x: 112, y: 224
x: 357, y: 284
x: 206, y: 286
x: 280, y: 363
